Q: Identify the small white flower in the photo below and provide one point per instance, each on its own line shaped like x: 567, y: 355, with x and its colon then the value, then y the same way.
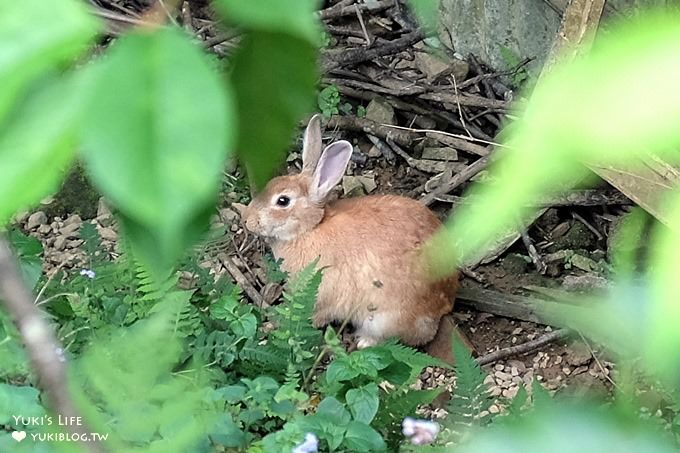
x: 419, y: 432
x: 87, y: 273
x: 310, y: 445
x: 60, y: 354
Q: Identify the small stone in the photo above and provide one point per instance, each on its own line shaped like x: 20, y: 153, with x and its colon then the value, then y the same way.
x: 351, y: 186
x: 425, y: 122
x: 499, y: 367
x: 440, y: 153
x: 584, y: 282
x: 70, y: 230
x: 584, y: 263
x: 380, y: 111
x: 496, y: 391
x: 502, y: 375
x: 489, y: 380
x: 518, y: 364
x: 35, y: 220
x: 73, y: 220
x: 60, y: 242
x: 74, y: 244
x: 103, y: 210
x: 44, y: 229
x: 368, y: 182
x: 374, y: 152
x: 494, y: 409
x: 517, y: 380
x: 510, y: 393
x: 578, y: 355
x: 514, y: 371
x: 517, y: 331
x: 430, y: 65
x: 108, y: 234
x: 228, y: 216
x: 514, y: 340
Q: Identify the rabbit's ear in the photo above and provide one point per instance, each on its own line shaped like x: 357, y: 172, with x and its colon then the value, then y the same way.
x: 330, y: 169
x: 311, y: 144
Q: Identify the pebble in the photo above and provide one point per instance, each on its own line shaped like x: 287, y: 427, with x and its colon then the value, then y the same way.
x: 108, y: 234
x: 35, y: 220
x: 60, y: 242
x: 70, y: 230
x: 44, y: 229
x: 494, y: 409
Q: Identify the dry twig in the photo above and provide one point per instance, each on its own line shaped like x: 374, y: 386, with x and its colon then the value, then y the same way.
x: 41, y: 345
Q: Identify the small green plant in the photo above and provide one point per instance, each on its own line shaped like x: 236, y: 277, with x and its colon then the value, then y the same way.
x: 329, y: 101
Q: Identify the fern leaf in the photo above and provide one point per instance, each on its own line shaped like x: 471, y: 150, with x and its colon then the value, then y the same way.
x: 471, y: 396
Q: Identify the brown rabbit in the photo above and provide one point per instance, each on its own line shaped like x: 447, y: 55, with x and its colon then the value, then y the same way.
x: 369, y: 247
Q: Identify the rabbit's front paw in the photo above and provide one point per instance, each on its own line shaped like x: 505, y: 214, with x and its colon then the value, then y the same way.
x: 366, y: 342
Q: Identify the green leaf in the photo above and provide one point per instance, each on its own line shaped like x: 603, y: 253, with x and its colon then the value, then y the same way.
x: 274, y: 77
x: 291, y: 17
x: 34, y: 38
x: 18, y: 401
x: 334, y: 410
x: 363, y: 402
x: 157, y: 151
x: 226, y: 432
x: 28, y: 250
x: 340, y: 370
x: 566, y: 429
x: 231, y: 393
x: 32, y: 164
x: 361, y: 437
x: 427, y: 12
x: 580, y: 94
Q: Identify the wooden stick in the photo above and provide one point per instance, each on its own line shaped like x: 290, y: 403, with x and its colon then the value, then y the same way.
x: 523, y: 348
x: 41, y: 345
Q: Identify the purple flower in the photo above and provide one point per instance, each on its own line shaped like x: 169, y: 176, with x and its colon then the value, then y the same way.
x: 419, y: 432
x: 310, y: 445
x: 87, y: 273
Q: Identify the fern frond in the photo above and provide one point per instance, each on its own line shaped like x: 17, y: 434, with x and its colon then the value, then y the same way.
x: 471, y: 397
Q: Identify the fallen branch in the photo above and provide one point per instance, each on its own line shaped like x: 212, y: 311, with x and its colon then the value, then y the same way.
x: 340, y: 57
x: 348, y: 8
x: 242, y: 281
x: 41, y: 345
x: 458, y: 179
x: 523, y: 348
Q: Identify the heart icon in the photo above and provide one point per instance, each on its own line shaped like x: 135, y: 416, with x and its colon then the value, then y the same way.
x: 19, y: 435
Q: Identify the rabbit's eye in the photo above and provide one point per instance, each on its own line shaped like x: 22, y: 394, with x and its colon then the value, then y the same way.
x: 283, y: 201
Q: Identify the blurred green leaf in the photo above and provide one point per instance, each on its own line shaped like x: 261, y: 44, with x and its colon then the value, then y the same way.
x: 33, y: 38
x: 28, y: 250
x: 274, y: 77
x: 427, y: 12
x: 363, y: 402
x: 157, y: 153
x: 565, y: 429
x: 132, y: 402
x: 594, y: 96
x: 38, y: 142
x: 291, y: 17
x: 19, y: 401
